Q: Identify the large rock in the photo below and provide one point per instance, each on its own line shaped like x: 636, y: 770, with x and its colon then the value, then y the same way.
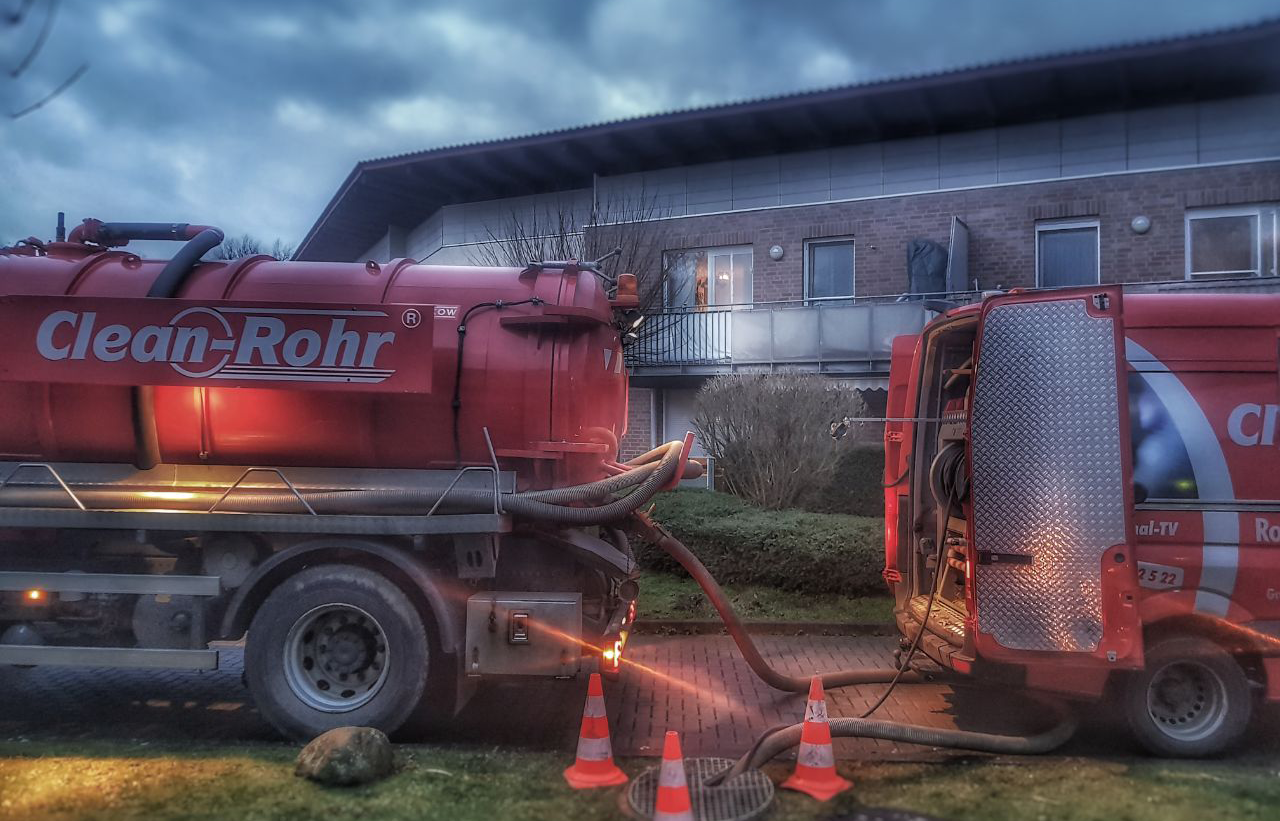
x: 346, y: 756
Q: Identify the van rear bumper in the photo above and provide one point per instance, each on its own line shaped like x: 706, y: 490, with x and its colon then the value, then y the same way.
x: 938, y: 643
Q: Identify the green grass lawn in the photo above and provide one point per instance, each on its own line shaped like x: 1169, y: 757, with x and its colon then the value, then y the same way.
x: 671, y: 596
x: 240, y: 782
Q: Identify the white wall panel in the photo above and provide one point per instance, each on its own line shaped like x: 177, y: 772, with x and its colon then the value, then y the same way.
x: 1029, y: 152
x: 1160, y: 137
x: 1093, y: 145
x: 910, y: 165
x: 425, y: 239
x: 967, y: 159
x: 804, y: 177
x: 710, y: 188
x: 1239, y: 129
x: 857, y: 171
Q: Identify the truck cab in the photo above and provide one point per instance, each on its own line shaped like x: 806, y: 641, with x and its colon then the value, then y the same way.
x: 1078, y: 501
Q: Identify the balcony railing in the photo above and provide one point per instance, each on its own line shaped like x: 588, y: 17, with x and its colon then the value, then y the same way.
x: 844, y: 335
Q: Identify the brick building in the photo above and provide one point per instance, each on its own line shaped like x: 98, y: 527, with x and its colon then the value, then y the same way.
x: 784, y: 225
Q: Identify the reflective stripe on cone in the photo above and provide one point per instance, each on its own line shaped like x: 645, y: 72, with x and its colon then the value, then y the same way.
x: 816, y: 762
x: 593, y: 765
x: 673, y: 802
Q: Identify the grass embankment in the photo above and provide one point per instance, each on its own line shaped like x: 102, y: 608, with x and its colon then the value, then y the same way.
x: 776, y: 565
x: 671, y: 596
x: 105, y: 780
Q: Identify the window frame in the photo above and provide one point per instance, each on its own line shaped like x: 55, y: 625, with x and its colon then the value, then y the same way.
x: 1191, y: 214
x: 1050, y: 226
x: 848, y: 239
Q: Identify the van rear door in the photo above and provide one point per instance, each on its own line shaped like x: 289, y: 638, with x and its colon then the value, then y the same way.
x: 904, y: 371
x: 1051, y: 486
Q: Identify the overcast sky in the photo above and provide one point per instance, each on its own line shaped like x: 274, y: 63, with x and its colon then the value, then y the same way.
x: 248, y: 115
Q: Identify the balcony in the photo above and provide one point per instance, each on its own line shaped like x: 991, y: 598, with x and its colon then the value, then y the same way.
x: 844, y: 336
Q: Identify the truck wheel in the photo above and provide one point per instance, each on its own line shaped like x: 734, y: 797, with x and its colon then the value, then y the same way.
x: 336, y: 646
x: 1192, y: 700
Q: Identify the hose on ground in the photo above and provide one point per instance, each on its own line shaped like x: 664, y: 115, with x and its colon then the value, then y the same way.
x: 780, y: 681
x: 778, y: 741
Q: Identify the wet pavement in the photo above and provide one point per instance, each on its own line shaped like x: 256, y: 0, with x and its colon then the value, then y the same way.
x: 698, y: 685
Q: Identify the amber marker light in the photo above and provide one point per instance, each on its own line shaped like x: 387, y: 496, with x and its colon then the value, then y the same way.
x: 34, y: 595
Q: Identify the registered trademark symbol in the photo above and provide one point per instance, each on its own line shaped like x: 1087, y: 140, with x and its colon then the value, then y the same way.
x: 411, y: 318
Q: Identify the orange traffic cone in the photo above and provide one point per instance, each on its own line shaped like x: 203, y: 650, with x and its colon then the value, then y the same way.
x: 816, y: 764
x: 673, y: 802
x: 594, y: 765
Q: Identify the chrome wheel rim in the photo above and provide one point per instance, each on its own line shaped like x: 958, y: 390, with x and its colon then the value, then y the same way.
x: 336, y: 658
x: 1187, y: 700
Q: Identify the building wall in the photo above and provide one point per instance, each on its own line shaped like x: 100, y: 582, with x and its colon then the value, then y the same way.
x: 1215, y: 131
x: 640, y: 433
x: 1001, y: 220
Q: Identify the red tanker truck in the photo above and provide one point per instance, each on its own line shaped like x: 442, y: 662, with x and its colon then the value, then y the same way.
x: 394, y: 479
x: 1083, y: 499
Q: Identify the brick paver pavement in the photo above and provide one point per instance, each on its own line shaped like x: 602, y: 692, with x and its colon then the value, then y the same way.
x: 698, y: 685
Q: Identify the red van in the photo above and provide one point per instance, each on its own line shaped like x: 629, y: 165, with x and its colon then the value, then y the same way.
x: 1087, y: 501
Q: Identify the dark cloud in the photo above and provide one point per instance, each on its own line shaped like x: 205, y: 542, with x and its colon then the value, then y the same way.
x: 249, y: 114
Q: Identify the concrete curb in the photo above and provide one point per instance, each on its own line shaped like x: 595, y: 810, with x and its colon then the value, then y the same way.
x: 787, y: 628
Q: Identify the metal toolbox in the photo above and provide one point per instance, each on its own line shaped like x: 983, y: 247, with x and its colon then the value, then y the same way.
x: 524, y: 633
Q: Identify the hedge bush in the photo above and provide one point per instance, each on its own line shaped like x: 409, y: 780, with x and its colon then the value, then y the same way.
x: 855, y: 486
x: 786, y: 549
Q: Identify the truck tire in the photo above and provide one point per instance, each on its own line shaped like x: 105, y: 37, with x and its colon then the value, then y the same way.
x: 335, y: 646
x: 1192, y: 699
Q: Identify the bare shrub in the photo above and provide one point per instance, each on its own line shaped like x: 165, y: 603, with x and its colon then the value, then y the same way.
x: 247, y: 246
x: 770, y: 433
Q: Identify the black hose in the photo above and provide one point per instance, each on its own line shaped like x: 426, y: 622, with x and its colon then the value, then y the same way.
x: 166, y: 285
x: 778, y: 741
x: 780, y: 681
x: 456, y: 404
x: 176, y: 270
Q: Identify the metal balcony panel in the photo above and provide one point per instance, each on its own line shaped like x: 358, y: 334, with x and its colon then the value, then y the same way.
x: 845, y: 332
x: 752, y: 335
x: 795, y: 335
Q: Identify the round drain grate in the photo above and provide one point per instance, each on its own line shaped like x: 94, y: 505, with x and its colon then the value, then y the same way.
x: 738, y: 799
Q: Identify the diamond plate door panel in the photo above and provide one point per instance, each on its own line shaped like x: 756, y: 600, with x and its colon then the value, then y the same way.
x: 1047, y: 473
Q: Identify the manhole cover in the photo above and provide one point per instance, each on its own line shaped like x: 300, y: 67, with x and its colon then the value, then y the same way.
x: 738, y: 799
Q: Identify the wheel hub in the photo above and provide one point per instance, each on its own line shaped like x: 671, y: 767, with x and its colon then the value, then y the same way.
x: 1187, y: 700
x: 335, y: 658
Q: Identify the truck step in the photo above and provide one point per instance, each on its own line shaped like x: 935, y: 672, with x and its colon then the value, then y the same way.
x: 109, y: 657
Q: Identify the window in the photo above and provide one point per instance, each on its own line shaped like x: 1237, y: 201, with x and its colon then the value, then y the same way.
x: 828, y: 268
x: 1224, y: 242
x: 699, y: 277
x: 1066, y: 254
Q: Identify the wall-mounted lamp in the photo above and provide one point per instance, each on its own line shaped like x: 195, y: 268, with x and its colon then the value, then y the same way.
x: 776, y: 252
x: 1141, y: 224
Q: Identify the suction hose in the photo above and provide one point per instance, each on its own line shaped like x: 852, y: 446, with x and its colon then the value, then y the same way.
x: 643, y: 481
x: 780, y: 740
x: 657, y: 534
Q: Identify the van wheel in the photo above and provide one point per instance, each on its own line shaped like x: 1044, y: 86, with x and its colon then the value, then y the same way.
x: 1192, y: 700
x: 337, y: 646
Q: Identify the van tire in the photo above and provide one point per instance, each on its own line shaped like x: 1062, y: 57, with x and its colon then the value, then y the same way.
x: 1192, y: 700
x: 334, y: 646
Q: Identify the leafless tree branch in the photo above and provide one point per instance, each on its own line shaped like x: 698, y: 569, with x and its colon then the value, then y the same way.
x: 15, y: 17
x: 52, y: 95
x: 38, y: 44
